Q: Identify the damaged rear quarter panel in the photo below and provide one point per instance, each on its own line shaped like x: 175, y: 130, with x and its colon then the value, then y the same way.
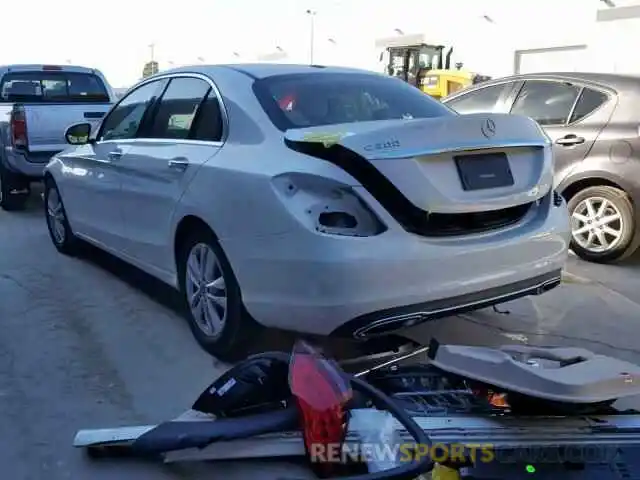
x: 234, y: 191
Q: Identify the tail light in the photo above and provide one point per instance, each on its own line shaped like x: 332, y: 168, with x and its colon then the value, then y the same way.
x: 18, y: 126
x: 321, y: 393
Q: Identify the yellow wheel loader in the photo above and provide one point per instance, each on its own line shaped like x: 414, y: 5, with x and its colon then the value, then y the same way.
x: 426, y: 66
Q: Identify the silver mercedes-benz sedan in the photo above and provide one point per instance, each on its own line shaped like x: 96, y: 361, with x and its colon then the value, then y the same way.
x: 321, y: 200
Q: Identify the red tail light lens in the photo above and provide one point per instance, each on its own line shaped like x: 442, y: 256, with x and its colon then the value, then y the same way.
x: 287, y: 103
x: 18, y: 125
x: 321, y: 393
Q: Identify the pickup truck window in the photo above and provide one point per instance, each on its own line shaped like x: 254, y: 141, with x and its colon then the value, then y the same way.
x: 45, y: 86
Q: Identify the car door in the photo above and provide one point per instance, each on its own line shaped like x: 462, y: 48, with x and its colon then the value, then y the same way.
x: 183, y: 132
x: 488, y: 99
x: 563, y: 109
x: 92, y: 189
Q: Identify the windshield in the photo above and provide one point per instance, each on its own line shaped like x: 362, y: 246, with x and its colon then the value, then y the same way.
x: 315, y: 99
x: 46, y: 86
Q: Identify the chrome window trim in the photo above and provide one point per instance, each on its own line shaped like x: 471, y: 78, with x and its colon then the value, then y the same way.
x: 172, y: 141
x: 169, y: 76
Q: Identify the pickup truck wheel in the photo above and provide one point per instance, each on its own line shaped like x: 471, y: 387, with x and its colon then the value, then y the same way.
x: 603, y: 224
x: 57, y: 223
x: 14, y: 191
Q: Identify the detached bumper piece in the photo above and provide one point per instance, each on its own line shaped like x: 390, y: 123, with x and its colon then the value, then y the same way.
x: 527, y: 439
x: 526, y: 433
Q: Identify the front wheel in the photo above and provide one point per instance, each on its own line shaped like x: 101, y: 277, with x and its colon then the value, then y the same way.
x: 603, y: 224
x: 212, y: 300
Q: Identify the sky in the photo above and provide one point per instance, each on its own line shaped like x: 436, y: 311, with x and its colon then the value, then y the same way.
x: 115, y: 36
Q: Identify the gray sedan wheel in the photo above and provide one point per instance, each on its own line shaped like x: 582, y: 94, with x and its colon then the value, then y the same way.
x: 603, y: 224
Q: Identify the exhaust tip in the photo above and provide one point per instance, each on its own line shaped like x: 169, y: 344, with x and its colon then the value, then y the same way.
x: 550, y: 285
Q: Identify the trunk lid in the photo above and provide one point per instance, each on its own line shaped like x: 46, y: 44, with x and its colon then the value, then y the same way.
x: 455, y: 164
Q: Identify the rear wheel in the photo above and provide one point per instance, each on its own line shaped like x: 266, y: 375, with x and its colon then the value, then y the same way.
x: 57, y: 222
x: 603, y: 224
x: 14, y: 190
x: 212, y: 299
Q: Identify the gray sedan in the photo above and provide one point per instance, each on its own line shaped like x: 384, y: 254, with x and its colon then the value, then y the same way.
x: 593, y: 121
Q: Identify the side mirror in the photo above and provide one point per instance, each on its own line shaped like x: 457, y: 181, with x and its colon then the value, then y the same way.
x: 78, y: 134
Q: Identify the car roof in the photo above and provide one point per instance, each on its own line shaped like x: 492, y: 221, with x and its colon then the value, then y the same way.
x: 615, y: 80
x: 263, y: 70
x: 32, y: 67
x: 618, y: 82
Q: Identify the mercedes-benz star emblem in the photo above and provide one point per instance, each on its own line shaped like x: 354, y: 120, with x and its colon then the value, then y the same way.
x: 488, y: 128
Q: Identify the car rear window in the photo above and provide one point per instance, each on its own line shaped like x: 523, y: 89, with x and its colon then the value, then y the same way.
x: 46, y: 86
x: 315, y: 99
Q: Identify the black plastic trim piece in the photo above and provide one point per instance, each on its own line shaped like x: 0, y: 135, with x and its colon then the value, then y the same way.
x: 390, y: 320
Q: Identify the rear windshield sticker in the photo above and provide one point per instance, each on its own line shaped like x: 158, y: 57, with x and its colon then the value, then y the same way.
x: 327, y: 139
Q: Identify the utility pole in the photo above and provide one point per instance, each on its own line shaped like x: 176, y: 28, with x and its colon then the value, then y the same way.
x: 151, y: 67
x: 312, y: 16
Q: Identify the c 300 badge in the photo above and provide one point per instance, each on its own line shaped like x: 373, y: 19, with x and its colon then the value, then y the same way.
x: 387, y: 145
x: 488, y: 128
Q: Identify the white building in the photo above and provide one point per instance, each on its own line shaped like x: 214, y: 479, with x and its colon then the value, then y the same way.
x: 492, y: 37
x: 548, y: 35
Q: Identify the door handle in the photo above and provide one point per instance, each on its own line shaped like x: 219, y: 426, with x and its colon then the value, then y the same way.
x: 115, y: 155
x: 570, y: 140
x: 179, y: 163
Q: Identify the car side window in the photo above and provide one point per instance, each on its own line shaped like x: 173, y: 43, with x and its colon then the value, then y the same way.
x: 478, y: 101
x: 589, y: 101
x: 208, y: 125
x: 548, y: 103
x: 125, y: 119
x: 178, y: 108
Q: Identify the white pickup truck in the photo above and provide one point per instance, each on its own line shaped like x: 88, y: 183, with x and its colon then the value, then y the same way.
x: 37, y: 104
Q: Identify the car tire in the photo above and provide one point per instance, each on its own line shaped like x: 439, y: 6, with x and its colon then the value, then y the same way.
x: 9, y: 182
x: 231, y: 338
x: 60, y: 232
x: 602, y: 242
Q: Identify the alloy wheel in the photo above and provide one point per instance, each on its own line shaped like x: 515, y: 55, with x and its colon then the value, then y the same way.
x: 597, y: 224
x: 55, y: 216
x: 206, y: 290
